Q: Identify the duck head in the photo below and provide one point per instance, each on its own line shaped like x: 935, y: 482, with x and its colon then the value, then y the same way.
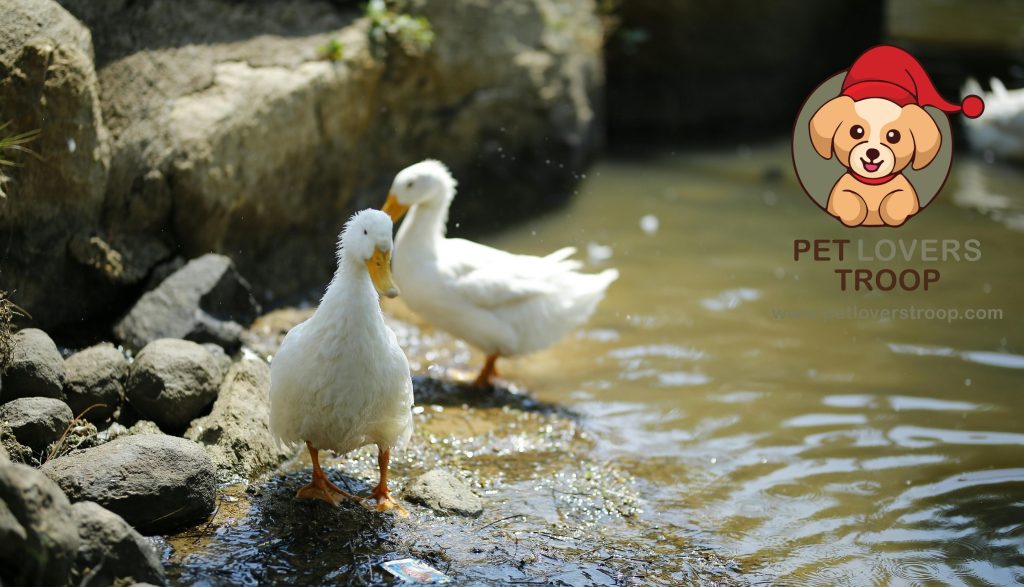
x: 367, y: 240
x: 425, y: 182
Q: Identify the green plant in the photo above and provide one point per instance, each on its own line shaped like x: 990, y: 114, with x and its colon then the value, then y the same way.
x: 332, y: 50
x: 13, y: 143
x: 413, y: 34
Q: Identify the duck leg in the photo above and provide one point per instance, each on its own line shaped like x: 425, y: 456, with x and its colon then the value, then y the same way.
x: 380, y: 492
x: 489, y: 372
x: 321, y: 487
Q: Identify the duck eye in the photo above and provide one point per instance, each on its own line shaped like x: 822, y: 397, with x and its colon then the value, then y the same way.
x: 409, y: 185
x: 364, y: 231
x: 893, y: 136
x: 857, y: 131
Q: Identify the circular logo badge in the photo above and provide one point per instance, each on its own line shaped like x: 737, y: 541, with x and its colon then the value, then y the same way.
x: 870, y: 161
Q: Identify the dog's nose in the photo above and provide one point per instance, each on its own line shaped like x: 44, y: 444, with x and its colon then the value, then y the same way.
x: 872, y: 154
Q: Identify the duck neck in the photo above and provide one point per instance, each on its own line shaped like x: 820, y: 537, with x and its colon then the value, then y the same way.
x: 425, y: 226
x: 351, y: 293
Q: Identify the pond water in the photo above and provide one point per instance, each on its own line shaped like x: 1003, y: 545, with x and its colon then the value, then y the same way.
x: 729, y: 415
x: 775, y: 418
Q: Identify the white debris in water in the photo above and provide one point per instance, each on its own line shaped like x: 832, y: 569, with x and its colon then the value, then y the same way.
x: 597, y: 252
x: 72, y: 145
x: 649, y: 224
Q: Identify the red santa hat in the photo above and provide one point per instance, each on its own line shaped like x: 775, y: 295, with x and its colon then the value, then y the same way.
x: 892, y: 73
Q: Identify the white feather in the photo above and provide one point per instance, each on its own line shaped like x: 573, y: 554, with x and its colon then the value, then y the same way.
x: 340, y: 380
x: 497, y: 301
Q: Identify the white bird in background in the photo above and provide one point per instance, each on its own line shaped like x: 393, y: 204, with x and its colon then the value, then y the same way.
x: 503, y: 304
x: 1001, y: 128
x: 340, y: 381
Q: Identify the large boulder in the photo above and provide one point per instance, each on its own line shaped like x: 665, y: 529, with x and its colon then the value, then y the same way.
x: 36, y: 368
x: 237, y: 433
x: 110, y: 551
x: 172, y: 382
x: 157, y: 483
x: 48, y: 82
x: 205, y: 301
x: 223, y: 130
x: 36, y: 422
x: 95, y: 381
x: 37, y: 529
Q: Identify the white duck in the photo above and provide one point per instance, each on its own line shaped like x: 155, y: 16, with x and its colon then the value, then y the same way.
x: 340, y: 381
x: 501, y: 303
x: 1001, y: 128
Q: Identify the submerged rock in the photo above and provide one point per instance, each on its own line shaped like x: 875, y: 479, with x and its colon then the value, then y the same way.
x: 204, y: 301
x: 37, y: 529
x: 95, y: 377
x: 444, y: 493
x: 172, y: 382
x: 110, y: 550
x: 36, y: 422
x: 36, y: 368
x: 237, y: 433
x: 157, y: 483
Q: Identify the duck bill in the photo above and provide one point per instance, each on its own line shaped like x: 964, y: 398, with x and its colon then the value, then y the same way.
x: 393, y: 208
x: 379, y: 266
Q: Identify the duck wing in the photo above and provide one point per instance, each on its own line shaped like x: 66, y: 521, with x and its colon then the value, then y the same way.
x: 491, y: 278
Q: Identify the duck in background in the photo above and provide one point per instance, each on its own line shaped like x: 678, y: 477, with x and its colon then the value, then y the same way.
x: 501, y: 303
x: 340, y: 381
x: 1001, y: 129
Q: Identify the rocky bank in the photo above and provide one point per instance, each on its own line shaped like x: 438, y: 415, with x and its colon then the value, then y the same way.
x: 172, y: 128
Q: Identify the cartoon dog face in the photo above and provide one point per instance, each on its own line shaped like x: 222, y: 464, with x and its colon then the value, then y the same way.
x: 875, y: 137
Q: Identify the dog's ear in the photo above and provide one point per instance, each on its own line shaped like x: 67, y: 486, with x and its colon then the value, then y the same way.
x: 826, y: 121
x: 927, y: 138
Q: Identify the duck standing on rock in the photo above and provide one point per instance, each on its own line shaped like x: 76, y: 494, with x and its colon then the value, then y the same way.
x: 340, y: 381
x: 501, y: 303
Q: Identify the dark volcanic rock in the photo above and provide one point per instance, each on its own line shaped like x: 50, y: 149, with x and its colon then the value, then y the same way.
x: 37, y: 529
x: 237, y: 433
x: 444, y: 493
x: 157, y: 483
x: 36, y: 368
x: 36, y: 422
x: 110, y: 550
x: 172, y: 382
x: 205, y: 301
x: 95, y: 376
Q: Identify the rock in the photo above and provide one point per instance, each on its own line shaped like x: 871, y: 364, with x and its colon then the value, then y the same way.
x: 444, y: 493
x: 144, y: 427
x: 204, y: 301
x: 5, y: 457
x: 95, y: 376
x: 37, y: 422
x: 172, y: 382
x: 16, y: 452
x: 157, y: 483
x: 237, y: 433
x: 48, y: 81
x: 216, y: 127
x: 112, y: 551
x: 36, y: 368
x: 37, y: 529
x: 223, y: 359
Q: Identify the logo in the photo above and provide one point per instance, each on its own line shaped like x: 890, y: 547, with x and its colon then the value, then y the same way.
x: 872, y: 146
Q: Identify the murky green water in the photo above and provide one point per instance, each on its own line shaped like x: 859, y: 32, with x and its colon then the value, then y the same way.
x: 813, y: 450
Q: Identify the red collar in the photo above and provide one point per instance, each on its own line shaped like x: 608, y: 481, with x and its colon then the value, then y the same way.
x: 872, y: 180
